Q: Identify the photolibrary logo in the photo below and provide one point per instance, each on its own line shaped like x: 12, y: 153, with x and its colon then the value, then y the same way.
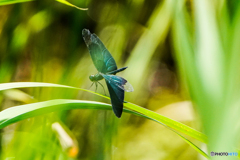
x: 224, y: 154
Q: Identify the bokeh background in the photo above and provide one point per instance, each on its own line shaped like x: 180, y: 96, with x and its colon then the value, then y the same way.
x: 41, y: 41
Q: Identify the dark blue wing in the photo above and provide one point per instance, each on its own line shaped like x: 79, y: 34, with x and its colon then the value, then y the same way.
x: 101, y: 57
x: 117, y: 98
x: 116, y: 87
x: 118, y: 82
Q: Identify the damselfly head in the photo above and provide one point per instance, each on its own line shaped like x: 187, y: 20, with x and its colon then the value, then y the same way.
x: 92, y: 78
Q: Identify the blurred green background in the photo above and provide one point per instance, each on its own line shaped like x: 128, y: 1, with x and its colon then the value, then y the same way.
x: 41, y: 41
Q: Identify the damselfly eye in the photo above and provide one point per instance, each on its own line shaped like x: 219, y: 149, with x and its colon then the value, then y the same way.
x: 92, y: 78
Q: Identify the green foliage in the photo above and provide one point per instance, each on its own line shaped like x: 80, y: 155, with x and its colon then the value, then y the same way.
x: 6, y: 2
x: 41, y: 42
x: 18, y: 113
x: 206, y: 54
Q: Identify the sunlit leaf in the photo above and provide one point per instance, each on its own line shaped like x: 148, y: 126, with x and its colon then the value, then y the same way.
x: 6, y: 2
x: 18, y: 113
x: 69, y: 4
x: 167, y: 121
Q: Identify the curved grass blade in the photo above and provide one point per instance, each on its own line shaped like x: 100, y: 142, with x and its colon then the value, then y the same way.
x: 12, y: 85
x: 167, y: 121
x: 185, y: 139
x: 69, y: 4
x: 18, y: 113
x: 21, y: 112
x: 7, y: 2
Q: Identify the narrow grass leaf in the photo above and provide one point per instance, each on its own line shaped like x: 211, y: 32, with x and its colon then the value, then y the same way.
x: 185, y: 139
x: 69, y: 4
x: 167, y: 121
x: 18, y: 113
x: 6, y: 2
